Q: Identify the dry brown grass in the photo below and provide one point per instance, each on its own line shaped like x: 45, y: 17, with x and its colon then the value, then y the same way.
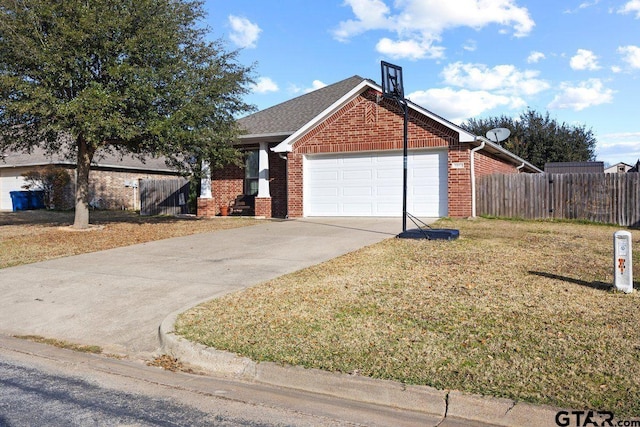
x: 515, y: 309
x: 31, y: 236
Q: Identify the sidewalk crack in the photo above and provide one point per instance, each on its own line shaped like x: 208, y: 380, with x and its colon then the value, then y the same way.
x: 446, y: 409
x: 513, y: 405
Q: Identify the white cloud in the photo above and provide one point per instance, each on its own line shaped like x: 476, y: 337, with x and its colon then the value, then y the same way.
x: 419, y: 24
x: 410, y: 49
x: 244, y: 32
x: 315, y: 85
x: 619, y: 147
x: 584, y: 60
x: 264, y: 85
x: 460, y: 105
x: 632, y: 6
x: 582, y: 6
x: 535, y: 57
x: 586, y: 94
x: 470, y: 46
x: 503, y: 79
x: 631, y: 55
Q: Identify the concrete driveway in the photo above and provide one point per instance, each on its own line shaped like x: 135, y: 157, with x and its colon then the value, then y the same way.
x: 118, y: 298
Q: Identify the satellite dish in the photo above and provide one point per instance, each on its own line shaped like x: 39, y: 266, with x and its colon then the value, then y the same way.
x: 498, y: 134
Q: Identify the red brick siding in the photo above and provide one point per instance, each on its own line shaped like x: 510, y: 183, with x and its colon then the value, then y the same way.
x: 226, y: 184
x: 485, y: 164
x: 263, y: 206
x: 207, y: 208
x: 459, y: 182
x: 294, y: 169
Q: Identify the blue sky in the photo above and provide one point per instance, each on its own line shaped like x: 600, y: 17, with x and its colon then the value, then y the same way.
x: 578, y: 60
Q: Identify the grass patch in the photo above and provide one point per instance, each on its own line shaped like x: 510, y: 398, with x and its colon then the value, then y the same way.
x: 515, y: 309
x: 94, y: 349
x: 32, y: 236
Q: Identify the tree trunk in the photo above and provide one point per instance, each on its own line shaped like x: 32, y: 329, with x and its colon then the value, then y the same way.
x: 85, y: 155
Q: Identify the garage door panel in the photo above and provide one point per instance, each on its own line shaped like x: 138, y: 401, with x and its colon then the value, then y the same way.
x: 325, y: 192
x: 389, y: 174
x: 357, y: 174
x: 388, y: 209
x: 327, y: 209
x: 357, y: 209
x: 355, y: 161
x: 389, y: 191
x: 370, y: 184
x: 361, y: 192
x: 325, y: 176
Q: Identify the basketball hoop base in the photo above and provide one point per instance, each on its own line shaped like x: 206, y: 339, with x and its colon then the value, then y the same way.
x: 430, y: 234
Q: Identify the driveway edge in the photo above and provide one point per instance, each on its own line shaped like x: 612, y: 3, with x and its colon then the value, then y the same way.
x: 438, y: 403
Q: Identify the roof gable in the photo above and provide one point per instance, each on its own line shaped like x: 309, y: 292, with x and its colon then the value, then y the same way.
x: 363, y: 85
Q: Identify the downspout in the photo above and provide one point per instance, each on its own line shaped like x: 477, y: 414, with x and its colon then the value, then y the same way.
x: 473, y: 176
x: 519, y: 168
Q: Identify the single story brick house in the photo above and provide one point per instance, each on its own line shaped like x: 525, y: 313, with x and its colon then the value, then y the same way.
x: 113, y: 180
x: 337, y: 151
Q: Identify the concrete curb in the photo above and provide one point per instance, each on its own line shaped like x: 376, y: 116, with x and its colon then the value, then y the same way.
x: 439, y: 403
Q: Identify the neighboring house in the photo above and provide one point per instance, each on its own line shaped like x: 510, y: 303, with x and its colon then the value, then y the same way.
x: 337, y: 151
x: 574, y: 167
x: 635, y: 168
x: 113, y: 180
x: 618, y: 168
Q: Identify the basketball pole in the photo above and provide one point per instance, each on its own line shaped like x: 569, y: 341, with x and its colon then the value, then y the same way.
x: 405, y: 159
x: 393, y: 88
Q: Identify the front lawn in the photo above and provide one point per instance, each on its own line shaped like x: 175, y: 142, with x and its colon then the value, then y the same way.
x: 515, y: 309
x: 32, y: 236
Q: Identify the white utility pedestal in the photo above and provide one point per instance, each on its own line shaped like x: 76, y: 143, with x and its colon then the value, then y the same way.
x: 622, y: 261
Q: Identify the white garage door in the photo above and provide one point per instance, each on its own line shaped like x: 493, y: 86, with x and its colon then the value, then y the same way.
x: 370, y: 184
x: 10, y: 180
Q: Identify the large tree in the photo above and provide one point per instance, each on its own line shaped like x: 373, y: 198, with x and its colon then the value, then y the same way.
x: 540, y: 139
x: 126, y: 76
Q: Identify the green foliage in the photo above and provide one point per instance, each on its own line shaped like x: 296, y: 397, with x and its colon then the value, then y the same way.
x: 540, y: 139
x: 53, y: 180
x: 130, y: 76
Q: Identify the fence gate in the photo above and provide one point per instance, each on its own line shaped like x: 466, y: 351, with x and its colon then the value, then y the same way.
x: 164, y: 196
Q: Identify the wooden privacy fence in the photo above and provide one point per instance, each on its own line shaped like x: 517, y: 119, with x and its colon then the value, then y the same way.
x: 164, y: 196
x: 606, y: 198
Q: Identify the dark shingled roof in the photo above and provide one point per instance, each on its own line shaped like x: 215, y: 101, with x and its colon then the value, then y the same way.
x: 39, y: 157
x: 288, y: 117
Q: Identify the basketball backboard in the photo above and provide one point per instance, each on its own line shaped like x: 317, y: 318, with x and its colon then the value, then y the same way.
x: 392, y: 84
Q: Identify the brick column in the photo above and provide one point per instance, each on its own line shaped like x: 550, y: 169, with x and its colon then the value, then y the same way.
x: 207, y: 207
x: 459, y: 181
x: 263, y: 207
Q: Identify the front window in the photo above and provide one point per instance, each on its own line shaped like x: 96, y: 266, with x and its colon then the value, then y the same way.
x: 251, y: 172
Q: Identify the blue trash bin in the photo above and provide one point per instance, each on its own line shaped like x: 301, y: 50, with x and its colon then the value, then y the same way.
x: 19, y: 200
x: 25, y: 200
x: 36, y: 199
